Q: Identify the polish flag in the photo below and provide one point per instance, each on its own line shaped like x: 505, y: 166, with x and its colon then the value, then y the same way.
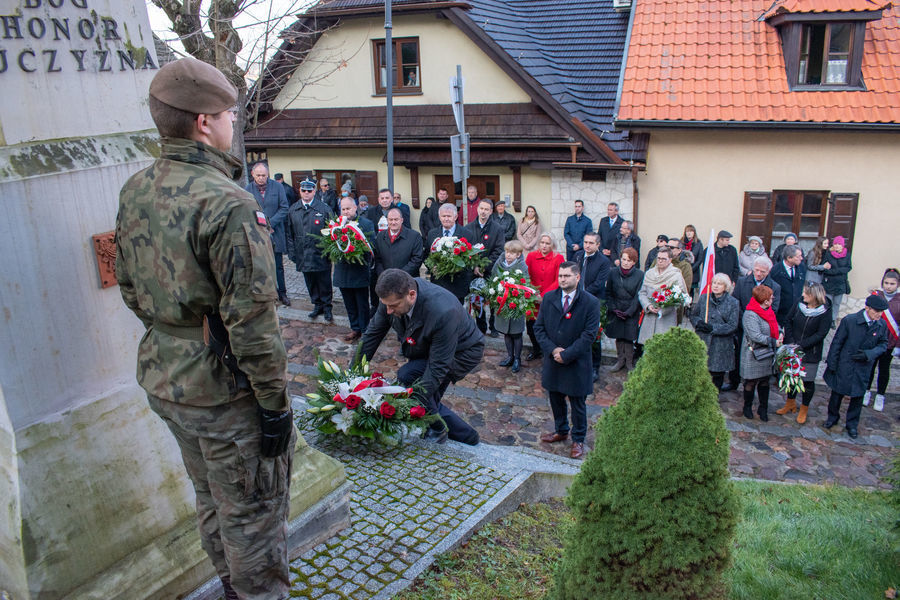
x: 709, y: 263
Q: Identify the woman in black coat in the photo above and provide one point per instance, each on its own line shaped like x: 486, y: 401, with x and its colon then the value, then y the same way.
x: 624, y: 307
x: 806, y: 326
x: 836, y: 264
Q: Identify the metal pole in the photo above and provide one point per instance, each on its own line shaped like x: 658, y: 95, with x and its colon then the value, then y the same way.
x: 465, y: 180
x: 389, y: 91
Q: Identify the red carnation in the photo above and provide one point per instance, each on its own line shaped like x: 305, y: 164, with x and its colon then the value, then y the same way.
x: 468, y: 246
x: 344, y: 229
x: 499, y: 299
x: 351, y: 248
x: 417, y: 412
x: 522, y: 280
x: 527, y: 295
x: 464, y: 240
x: 515, y: 292
x: 512, y: 304
x: 357, y: 236
x: 343, y: 238
x: 409, y: 391
x: 353, y: 401
x: 528, y: 313
x: 456, y: 251
x: 387, y: 411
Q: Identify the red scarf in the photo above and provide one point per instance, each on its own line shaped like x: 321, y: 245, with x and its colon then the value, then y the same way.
x: 768, y: 314
x: 687, y: 244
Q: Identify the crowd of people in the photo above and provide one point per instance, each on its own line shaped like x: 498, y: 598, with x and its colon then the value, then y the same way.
x: 755, y: 302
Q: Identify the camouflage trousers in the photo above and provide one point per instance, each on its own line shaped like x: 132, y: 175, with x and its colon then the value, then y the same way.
x: 243, y: 499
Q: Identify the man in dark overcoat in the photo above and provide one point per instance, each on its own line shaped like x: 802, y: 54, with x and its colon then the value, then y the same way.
x: 458, y: 284
x: 790, y: 274
x: 595, y: 269
x: 398, y: 247
x: 272, y: 199
x: 565, y: 329
x: 289, y: 190
x: 438, y: 338
x: 727, y: 259
x: 860, y: 339
x: 504, y: 220
x: 352, y: 278
x: 484, y: 230
x: 307, y: 217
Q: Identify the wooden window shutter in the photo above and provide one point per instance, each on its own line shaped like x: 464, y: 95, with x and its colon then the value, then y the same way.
x: 367, y: 184
x: 842, y: 216
x: 757, y: 218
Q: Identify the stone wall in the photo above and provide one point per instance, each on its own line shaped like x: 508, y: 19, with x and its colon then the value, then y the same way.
x: 567, y: 186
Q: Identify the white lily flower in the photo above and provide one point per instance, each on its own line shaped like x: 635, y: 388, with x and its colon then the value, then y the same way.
x: 343, y: 420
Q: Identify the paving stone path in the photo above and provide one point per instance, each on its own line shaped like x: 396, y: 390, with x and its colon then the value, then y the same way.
x: 406, y: 501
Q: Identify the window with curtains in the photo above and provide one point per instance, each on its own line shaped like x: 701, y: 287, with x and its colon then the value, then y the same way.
x: 405, y: 76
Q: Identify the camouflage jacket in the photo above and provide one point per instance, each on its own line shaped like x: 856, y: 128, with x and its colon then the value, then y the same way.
x: 190, y: 241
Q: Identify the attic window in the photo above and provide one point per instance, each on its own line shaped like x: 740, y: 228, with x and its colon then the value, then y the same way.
x: 823, y: 50
x: 405, y: 75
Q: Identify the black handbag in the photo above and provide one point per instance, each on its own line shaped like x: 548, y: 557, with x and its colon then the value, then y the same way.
x: 763, y: 353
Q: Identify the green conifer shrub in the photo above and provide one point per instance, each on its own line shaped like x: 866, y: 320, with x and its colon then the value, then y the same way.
x: 655, y: 510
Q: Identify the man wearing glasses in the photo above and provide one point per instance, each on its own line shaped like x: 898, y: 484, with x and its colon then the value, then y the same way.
x: 327, y: 196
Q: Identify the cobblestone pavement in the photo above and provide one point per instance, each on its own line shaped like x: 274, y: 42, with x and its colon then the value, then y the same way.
x: 406, y: 502
x: 512, y: 409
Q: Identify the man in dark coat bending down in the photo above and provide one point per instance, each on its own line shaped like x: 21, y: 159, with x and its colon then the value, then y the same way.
x: 860, y: 339
x: 565, y: 329
x: 437, y: 336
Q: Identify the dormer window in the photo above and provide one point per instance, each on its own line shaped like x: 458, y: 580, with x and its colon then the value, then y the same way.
x: 823, y: 50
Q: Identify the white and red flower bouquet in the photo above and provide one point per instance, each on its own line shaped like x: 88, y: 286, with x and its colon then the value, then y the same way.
x: 669, y: 296
x: 451, y: 255
x: 358, y: 402
x: 344, y: 241
x: 511, y: 296
x: 789, y: 369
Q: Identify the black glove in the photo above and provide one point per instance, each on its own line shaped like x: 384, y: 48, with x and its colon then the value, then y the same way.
x: 703, y: 327
x: 276, y: 426
x: 859, y: 356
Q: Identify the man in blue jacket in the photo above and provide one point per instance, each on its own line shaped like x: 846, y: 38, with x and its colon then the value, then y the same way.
x: 576, y: 226
x: 273, y: 201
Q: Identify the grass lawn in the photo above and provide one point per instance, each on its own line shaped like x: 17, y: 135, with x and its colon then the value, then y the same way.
x: 793, y: 542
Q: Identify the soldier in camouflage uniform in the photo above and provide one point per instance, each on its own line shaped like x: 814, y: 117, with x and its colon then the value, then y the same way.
x: 192, y: 244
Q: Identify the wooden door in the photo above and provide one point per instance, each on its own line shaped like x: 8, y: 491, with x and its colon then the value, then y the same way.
x: 488, y: 187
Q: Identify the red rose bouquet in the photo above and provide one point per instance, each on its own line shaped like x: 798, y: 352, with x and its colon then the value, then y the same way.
x: 344, y: 241
x: 451, y: 255
x: 789, y: 369
x: 511, y: 296
x: 358, y: 402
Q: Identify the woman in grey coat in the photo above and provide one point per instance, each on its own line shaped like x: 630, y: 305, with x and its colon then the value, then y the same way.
x: 760, y: 333
x: 717, y: 328
x: 512, y: 330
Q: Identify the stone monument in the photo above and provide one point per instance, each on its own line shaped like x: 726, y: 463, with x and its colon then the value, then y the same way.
x: 95, y: 500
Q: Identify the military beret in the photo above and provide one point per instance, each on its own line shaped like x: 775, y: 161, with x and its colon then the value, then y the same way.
x: 876, y: 302
x: 193, y: 86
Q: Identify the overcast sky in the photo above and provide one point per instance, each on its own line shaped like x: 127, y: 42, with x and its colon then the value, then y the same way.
x: 251, y: 26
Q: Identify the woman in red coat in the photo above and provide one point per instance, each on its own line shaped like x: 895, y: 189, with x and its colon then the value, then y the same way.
x: 543, y: 271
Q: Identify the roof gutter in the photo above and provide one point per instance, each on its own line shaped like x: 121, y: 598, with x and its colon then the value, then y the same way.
x: 379, y: 10
x: 801, y: 125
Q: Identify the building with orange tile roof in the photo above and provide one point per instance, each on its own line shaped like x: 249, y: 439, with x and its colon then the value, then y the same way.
x: 768, y: 118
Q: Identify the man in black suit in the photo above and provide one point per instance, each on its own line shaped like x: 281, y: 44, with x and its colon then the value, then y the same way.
x: 565, y: 329
x: 484, y: 230
x: 288, y: 189
x: 609, y: 228
x: 458, y: 284
x: 790, y: 274
x: 398, y: 247
x: 437, y: 336
x: 626, y: 238
x: 595, y: 270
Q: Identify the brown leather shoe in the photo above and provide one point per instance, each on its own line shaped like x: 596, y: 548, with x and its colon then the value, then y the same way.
x: 577, y: 450
x: 552, y: 438
x: 352, y: 336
